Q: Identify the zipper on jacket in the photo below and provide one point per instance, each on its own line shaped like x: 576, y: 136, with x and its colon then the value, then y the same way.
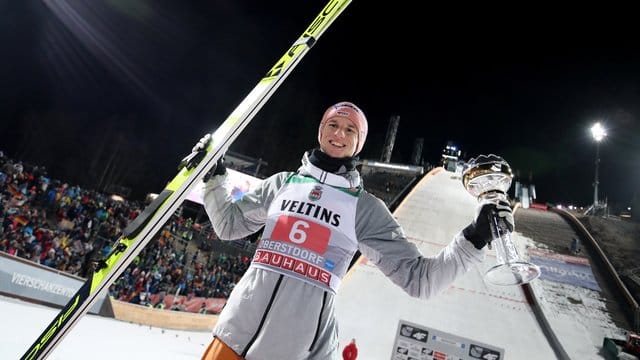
x: 264, y: 317
x: 315, y: 337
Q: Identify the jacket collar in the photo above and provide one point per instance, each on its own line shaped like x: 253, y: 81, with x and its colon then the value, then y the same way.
x: 349, y: 179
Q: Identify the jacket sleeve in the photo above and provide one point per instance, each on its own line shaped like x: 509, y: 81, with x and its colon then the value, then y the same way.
x: 233, y: 220
x: 383, y: 242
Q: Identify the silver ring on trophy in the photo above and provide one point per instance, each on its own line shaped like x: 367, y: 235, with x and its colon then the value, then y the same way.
x: 488, y: 178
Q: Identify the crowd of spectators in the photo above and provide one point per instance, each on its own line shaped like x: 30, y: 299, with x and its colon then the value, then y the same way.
x: 69, y: 228
x: 166, y: 267
x: 52, y: 223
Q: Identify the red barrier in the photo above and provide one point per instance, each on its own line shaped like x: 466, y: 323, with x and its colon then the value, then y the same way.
x: 191, y: 304
x: 539, y: 206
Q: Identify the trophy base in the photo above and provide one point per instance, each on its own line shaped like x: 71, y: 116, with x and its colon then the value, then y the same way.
x: 515, y: 273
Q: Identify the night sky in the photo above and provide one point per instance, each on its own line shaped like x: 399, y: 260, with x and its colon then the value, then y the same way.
x: 119, y: 91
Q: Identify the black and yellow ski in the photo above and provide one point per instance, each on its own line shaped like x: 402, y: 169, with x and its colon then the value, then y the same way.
x: 150, y: 221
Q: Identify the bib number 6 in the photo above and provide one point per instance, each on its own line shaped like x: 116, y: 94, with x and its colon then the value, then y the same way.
x: 297, y: 234
x: 302, y: 232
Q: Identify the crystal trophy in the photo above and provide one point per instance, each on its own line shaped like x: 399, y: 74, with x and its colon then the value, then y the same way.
x: 488, y: 178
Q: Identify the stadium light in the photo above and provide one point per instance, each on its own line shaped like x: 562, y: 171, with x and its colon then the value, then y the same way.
x: 598, y: 132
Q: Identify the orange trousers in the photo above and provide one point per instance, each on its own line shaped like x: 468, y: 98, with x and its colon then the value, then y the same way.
x: 218, y: 350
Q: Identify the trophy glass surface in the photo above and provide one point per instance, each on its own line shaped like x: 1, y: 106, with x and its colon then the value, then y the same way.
x: 488, y: 178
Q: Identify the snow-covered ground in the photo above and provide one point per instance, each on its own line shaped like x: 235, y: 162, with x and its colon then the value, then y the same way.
x: 94, y: 337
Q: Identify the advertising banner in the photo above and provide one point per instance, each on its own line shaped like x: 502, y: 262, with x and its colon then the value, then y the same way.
x: 565, y: 269
x: 418, y: 342
x: 24, y: 279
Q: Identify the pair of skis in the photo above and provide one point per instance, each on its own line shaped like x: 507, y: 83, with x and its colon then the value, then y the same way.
x: 139, y: 232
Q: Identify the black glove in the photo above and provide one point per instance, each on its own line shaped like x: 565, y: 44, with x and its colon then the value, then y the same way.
x: 198, y: 152
x: 218, y: 169
x: 479, y: 232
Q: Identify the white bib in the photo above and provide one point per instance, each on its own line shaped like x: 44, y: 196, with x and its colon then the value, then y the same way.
x: 310, y: 232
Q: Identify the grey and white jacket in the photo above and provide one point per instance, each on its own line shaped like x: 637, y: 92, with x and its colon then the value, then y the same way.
x: 314, y: 221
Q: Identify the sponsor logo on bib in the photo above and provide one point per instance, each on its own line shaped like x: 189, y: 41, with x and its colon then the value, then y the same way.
x: 316, y: 193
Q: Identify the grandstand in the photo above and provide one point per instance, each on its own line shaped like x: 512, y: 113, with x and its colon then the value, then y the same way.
x: 63, y: 229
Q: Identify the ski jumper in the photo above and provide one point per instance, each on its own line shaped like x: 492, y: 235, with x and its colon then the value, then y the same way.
x: 314, y: 221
